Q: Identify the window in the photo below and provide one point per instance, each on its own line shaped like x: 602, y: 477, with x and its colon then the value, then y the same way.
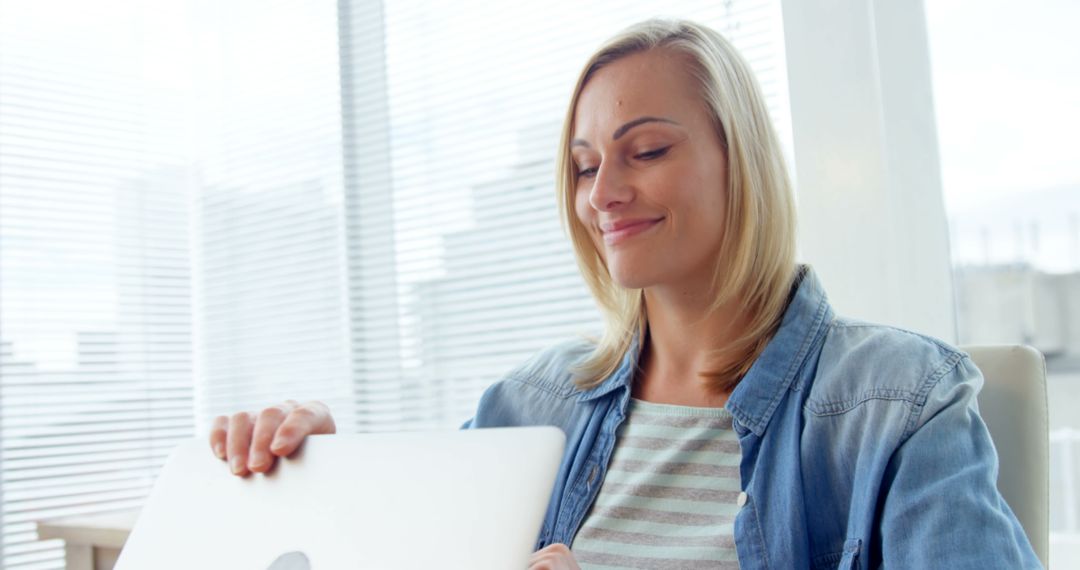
x: 95, y: 277
x: 1006, y: 113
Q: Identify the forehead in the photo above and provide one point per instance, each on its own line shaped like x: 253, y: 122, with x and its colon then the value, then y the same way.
x: 652, y: 83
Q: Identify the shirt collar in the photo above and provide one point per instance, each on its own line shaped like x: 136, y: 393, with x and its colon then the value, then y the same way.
x: 621, y: 378
x: 757, y: 395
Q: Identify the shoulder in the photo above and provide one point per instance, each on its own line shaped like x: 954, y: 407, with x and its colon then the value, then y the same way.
x: 538, y: 392
x: 861, y: 362
x: 552, y: 369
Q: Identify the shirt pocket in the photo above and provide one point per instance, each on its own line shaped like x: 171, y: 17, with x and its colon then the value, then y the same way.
x: 852, y: 546
x: 846, y: 559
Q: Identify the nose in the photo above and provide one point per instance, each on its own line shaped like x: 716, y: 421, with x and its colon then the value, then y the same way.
x: 611, y: 189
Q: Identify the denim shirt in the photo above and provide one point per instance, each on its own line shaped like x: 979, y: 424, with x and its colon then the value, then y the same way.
x: 862, y: 446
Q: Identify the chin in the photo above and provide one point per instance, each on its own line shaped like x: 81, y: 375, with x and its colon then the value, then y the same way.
x: 629, y: 277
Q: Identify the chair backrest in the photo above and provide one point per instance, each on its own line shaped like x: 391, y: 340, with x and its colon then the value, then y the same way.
x: 1013, y: 405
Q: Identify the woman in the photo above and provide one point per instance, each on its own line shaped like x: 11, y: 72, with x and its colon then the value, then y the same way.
x: 727, y: 417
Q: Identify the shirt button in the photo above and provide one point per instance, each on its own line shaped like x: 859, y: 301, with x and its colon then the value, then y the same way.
x: 742, y: 499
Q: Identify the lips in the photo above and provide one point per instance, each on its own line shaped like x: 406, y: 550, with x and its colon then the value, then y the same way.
x: 618, y: 231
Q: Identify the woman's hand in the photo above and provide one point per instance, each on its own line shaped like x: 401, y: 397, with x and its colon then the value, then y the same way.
x: 251, y: 443
x: 553, y: 557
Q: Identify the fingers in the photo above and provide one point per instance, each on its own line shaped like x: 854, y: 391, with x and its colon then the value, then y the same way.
x: 266, y: 425
x: 238, y: 441
x: 311, y: 418
x: 251, y: 443
x: 218, y: 430
x: 553, y: 557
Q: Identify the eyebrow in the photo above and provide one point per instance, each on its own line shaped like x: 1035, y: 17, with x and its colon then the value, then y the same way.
x: 626, y: 127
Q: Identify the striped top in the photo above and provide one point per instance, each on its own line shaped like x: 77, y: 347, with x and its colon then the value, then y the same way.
x: 670, y: 494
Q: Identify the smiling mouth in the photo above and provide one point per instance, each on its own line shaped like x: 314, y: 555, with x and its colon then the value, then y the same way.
x: 624, y: 233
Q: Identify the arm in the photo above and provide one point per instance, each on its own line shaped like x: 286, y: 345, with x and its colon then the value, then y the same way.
x: 940, y: 506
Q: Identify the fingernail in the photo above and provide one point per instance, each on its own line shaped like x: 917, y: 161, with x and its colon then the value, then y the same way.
x: 237, y: 463
x: 257, y: 459
x: 277, y: 444
x: 219, y: 450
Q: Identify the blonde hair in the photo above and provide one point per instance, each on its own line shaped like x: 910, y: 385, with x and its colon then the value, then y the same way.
x: 756, y: 262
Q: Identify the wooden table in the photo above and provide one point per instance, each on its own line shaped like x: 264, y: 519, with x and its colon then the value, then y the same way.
x: 91, y: 542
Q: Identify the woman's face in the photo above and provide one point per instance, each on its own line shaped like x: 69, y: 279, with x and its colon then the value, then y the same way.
x: 652, y: 183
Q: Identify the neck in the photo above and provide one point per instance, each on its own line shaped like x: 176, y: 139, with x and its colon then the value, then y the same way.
x: 683, y: 333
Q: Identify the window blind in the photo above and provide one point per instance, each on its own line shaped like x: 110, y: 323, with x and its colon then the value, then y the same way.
x: 95, y: 312
x: 270, y: 272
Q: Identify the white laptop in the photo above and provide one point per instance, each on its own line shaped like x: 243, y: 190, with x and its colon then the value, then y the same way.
x: 471, y: 499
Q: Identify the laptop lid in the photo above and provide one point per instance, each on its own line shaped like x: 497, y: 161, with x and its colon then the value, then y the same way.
x: 472, y: 499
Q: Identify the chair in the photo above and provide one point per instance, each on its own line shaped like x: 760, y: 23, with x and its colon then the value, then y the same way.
x: 1013, y: 405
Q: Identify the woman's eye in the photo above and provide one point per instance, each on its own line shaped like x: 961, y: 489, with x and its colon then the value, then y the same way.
x: 586, y: 172
x: 651, y: 154
x: 647, y: 155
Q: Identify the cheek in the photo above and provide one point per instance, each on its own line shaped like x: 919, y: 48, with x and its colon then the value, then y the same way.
x: 701, y: 203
